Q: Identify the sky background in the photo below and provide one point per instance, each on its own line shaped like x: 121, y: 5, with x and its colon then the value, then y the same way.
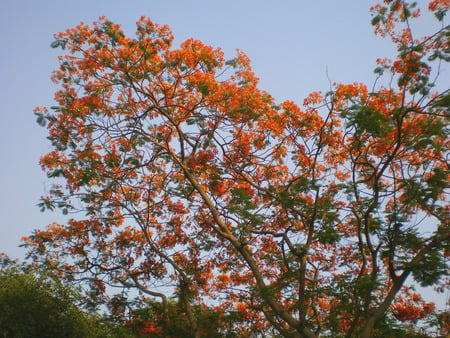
x: 293, y: 45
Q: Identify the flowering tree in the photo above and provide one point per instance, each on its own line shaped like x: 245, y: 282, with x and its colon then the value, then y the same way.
x: 188, y: 180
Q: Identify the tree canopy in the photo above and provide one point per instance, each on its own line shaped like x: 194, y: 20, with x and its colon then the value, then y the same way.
x: 35, y: 304
x: 186, y: 180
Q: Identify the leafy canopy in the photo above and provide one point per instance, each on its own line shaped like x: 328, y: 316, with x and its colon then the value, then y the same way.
x: 34, y: 303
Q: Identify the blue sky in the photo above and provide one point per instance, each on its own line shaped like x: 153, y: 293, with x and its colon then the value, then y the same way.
x: 292, y: 44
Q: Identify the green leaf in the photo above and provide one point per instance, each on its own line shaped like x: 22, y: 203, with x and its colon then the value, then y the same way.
x: 376, y: 20
x: 40, y: 120
x: 55, y: 44
x: 442, y: 102
x: 440, y: 14
x: 379, y: 70
x: 429, y: 269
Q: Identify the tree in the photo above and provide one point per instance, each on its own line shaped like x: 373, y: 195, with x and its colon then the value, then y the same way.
x: 32, y: 304
x: 212, y: 322
x: 188, y: 180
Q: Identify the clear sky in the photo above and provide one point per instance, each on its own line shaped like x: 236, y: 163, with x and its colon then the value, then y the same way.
x: 293, y: 44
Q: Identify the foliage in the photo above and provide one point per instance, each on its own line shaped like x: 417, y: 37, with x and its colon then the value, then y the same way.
x: 147, y: 320
x: 34, y: 305
x: 194, y: 182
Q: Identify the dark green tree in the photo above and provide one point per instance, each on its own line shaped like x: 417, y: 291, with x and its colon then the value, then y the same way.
x: 35, y: 304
